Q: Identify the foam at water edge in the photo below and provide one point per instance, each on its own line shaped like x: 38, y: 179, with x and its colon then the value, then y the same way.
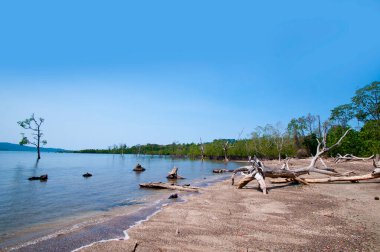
x: 125, y: 232
x: 89, y: 245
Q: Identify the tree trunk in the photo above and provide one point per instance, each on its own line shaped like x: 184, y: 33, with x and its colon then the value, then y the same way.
x: 38, y: 144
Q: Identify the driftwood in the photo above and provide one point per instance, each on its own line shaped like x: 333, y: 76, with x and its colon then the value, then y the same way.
x: 350, y: 157
x: 284, y: 171
x: 161, y: 185
x: 173, y: 174
x: 139, y: 168
x: 376, y: 161
x: 221, y: 170
x: 40, y: 178
x: 375, y: 174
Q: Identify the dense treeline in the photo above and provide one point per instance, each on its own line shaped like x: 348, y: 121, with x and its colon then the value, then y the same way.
x: 300, y: 137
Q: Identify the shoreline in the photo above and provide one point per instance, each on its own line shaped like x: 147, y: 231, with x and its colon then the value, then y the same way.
x: 337, y: 216
x: 109, y: 226
x: 320, y: 217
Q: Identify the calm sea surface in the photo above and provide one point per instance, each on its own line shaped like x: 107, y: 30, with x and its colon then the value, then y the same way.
x: 24, y: 203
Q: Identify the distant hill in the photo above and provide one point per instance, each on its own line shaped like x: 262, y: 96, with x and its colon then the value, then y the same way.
x: 17, y: 147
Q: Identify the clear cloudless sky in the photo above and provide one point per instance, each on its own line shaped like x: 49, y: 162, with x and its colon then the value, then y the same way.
x: 136, y: 72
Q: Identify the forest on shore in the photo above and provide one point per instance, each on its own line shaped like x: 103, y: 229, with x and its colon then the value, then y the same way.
x: 298, y: 139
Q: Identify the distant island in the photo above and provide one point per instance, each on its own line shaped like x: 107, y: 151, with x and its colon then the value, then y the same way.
x: 16, y: 147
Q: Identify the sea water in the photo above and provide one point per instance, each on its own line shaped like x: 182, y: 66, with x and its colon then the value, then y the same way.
x: 27, y: 205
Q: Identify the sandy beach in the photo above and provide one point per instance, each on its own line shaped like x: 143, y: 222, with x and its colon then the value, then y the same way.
x: 319, y: 217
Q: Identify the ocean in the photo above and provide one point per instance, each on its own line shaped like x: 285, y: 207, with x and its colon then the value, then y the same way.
x: 67, y: 203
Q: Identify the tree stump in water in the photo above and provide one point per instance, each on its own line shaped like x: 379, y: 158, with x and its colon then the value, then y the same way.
x: 173, y: 174
x: 139, y: 168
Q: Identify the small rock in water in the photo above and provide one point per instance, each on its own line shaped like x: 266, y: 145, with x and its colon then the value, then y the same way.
x: 86, y: 175
x: 186, y: 185
x: 376, y: 198
x: 173, y: 196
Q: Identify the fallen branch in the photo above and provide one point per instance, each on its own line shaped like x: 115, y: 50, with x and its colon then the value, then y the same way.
x: 350, y: 157
x: 375, y: 174
x: 221, y: 170
x: 376, y: 161
x: 161, y: 185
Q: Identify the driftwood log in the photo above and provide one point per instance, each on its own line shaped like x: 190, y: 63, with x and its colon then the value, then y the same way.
x: 221, y: 170
x: 40, y: 178
x: 161, y: 185
x: 376, y: 161
x: 173, y: 174
x: 284, y: 171
x: 350, y: 157
x: 375, y: 174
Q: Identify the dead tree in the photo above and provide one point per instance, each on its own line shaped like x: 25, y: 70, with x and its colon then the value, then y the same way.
x: 202, y: 148
x: 285, y: 172
x: 226, y: 147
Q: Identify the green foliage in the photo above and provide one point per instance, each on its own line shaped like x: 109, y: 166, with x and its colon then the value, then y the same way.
x: 351, y: 144
x: 311, y: 143
x: 366, y: 102
x: 342, y: 114
x: 24, y: 140
x: 370, y: 137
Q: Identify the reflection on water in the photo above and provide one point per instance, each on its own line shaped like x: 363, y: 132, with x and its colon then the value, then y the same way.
x: 25, y: 203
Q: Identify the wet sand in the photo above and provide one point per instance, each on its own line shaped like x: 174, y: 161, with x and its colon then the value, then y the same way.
x: 319, y: 217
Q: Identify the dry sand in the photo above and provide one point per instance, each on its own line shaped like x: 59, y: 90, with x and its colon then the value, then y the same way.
x: 319, y: 217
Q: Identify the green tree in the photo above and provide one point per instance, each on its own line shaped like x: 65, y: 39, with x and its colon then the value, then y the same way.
x: 366, y: 102
x: 342, y: 114
x: 34, y: 125
x: 370, y: 137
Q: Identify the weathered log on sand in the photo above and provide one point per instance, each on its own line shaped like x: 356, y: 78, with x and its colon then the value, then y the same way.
x: 375, y: 174
x: 173, y: 174
x: 350, y: 157
x: 139, y: 168
x: 161, y: 185
x: 376, y: 161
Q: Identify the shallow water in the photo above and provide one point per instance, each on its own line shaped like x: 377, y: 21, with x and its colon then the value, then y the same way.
x: 28, y: 205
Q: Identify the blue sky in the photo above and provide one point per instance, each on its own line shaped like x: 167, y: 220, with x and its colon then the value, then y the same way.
x: 110, y: 72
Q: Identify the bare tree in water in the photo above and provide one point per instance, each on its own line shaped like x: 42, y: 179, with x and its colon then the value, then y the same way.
x: 34, y: 125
